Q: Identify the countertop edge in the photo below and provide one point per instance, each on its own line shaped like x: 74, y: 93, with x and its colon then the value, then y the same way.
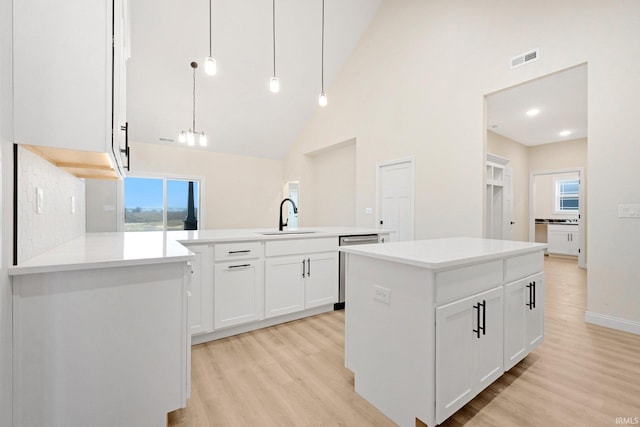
x: 444, y: 264
x: 17, y: 270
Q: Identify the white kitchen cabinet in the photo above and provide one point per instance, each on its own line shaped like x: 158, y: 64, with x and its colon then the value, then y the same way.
x: 201, y: 290
x: 68, y: 91
x: 239, y: 292
x: 563, y: 239
x: 284, y: 285
x: 321, y: 283
x: 524, y: 318
x: 469, y: 344
x: 306, y: 277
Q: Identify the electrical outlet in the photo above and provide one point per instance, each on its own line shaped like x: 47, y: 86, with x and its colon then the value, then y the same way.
x: 39, y: 200
x: 368, y: 211
x: 73, y: 205
x: 382, y: 294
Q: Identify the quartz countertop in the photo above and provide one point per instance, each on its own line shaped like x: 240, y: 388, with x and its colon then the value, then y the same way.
x: 100, y: 250
x: 444, y: 253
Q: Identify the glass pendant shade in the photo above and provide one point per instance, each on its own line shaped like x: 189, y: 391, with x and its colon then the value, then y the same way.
x: 203, y: 139
x: 182, y: 137
x: 191, y: 140
x: 274, y: 84
x: 322, y: 99
x: 210, y: 66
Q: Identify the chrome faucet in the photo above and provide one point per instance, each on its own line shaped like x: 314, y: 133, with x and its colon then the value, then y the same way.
x: 281, y: 224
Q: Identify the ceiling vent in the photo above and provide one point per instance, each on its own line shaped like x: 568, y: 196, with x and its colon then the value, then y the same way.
x: 525, y: 58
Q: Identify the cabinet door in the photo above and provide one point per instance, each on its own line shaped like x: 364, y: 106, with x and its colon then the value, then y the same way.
x: 120, y: 56
x: 201, y: 301
x: 284, y: 285
x: 321, y: 284
x: 467, y: 362
x: 454, y: 359
x: 488, y: 351
x: 534, y: 313
x: 62, y: 73
x: 239, y: 293
x: 516, y: 296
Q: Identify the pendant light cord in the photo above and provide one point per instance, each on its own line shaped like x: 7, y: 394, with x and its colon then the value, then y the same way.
x: 274, y: 37
x: 322, y: 58
x: 210, y: 28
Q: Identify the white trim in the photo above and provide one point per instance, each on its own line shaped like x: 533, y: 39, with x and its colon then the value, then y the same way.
x: 252, y: 326
x: 379, y: 165
x: 581, y: 208
x: 612, y: 322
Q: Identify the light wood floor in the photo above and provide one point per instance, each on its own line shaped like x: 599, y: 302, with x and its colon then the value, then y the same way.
x: 293, y: 374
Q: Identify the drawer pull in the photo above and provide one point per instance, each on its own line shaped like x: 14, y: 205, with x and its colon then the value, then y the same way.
x: 239, y: 266
x: 245, y: 251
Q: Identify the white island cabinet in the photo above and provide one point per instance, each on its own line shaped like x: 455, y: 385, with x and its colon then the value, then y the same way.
x: 430, y: 324
x: 100, y: 332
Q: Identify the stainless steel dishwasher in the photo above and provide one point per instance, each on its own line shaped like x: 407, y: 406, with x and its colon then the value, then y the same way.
x: 348, y: 241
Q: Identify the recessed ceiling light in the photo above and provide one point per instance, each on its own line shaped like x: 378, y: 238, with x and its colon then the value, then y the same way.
x: 565, y: 133
x: 533, y: 112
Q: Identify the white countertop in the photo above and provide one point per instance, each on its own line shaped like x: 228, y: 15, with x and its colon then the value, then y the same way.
x: 100, y: 250
x: 444, y: 253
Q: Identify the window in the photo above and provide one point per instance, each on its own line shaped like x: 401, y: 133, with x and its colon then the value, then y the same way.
x: 156, y: 204
x: 567, y: 195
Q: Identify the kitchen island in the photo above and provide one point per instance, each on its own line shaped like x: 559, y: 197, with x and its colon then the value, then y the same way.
x: 429, y: 324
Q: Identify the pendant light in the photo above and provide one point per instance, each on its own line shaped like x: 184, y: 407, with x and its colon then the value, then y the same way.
x: 274, y: 83
x: 210, y: 66
x: 189, y: 137
x: 322, y: 99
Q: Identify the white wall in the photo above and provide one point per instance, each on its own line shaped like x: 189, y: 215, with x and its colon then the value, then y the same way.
x: 57, y: 224
x: 415, y: 86
x: 102, y: 205
x: 333, y: 186
x: 6, y: 215
x: 237, y: 191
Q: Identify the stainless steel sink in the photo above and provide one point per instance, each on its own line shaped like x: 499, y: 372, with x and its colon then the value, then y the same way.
x: 278, y: 233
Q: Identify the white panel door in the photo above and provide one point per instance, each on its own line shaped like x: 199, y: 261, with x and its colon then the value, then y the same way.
x: 321, y: 285
x: 507, y: 215
x: 284, y: 285
x: 239, y: 293
x: 395, y: 198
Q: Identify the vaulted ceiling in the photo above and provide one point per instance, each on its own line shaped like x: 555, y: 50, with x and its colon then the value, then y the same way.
x: 235, y: 107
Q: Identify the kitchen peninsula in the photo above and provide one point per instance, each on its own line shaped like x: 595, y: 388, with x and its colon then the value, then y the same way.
x: 429, y: 324
x: 103, y: 324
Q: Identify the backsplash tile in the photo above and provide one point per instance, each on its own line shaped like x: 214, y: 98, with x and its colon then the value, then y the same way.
x: 39, y: 232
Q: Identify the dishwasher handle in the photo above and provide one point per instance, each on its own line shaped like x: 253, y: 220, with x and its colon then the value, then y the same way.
x: 356, y: 239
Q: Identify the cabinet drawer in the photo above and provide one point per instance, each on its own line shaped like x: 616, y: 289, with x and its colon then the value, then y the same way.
x: 462, y: 282
x: 301, y: 246
x: 240, y: 250
x: 568, y: 228
x: 523, y: 266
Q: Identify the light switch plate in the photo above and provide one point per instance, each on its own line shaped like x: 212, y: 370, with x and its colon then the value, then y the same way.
x: 73, y: 205
x: 628, y: 211
x: 368, y: 211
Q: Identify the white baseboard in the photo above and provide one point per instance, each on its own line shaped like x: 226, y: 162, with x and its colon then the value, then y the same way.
x: 612, y: 322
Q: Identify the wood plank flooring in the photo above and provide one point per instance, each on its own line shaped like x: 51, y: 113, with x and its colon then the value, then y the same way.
x: 293, y: 374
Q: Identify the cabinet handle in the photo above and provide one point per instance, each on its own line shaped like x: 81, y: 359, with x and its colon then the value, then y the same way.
x: 239, y: 266
x: 304, y: 268
x: 125, y: 128
x: 482, y: 305
x: 245, y: 251
x: 533, y: 302
x: 532, y: 295
x: 308, y: 267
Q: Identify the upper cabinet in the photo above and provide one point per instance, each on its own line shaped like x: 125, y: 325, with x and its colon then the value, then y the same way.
x: 69, y: 80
